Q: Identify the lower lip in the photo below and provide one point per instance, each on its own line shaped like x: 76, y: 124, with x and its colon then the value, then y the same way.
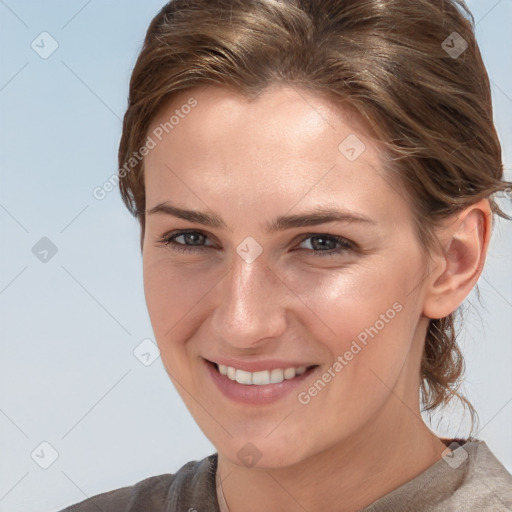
x: 254, y: 394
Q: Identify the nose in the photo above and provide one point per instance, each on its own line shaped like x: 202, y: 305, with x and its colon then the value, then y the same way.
x: 251, y: 308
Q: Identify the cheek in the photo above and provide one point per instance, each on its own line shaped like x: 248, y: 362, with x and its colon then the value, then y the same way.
x: 173, y: 297
x: 372, y: 317
x: 172, y: 288
x: 343, y: 302
x: 365, y: 314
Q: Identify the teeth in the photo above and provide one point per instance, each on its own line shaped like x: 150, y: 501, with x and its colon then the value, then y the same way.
x: 260, y: 378
x: 277, y: 376
x: 243, y: 377
x: 289, y: 373
x: 231, y: 373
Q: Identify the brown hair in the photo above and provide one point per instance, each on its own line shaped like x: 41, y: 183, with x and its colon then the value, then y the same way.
x: 403, y: 65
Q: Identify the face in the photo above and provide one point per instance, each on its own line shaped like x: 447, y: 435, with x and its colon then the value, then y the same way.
x: 275, y: 241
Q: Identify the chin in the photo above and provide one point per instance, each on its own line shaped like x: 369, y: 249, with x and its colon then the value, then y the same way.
x: 263, y: 453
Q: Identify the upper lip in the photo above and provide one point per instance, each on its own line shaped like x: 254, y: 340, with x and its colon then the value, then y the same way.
x: 257, y: 366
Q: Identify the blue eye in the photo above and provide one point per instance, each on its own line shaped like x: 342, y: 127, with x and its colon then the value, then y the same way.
x: 192, y: 242
x: 331, y: 244
x: 193, y: 237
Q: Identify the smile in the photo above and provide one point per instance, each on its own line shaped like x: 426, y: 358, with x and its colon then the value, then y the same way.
x: 261, y: 378
x: 260, y: 387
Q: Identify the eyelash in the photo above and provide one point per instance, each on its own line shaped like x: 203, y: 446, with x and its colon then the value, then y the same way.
x: 168, y: 240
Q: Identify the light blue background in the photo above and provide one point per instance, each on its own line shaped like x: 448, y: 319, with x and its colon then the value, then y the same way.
x: 68, y: 327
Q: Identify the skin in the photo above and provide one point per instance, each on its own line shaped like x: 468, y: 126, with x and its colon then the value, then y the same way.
x: 249, y: 162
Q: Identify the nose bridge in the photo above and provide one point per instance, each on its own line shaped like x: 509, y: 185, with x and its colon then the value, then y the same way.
x: 249, y: 308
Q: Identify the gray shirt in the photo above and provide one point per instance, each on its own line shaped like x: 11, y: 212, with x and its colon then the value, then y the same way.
x: 470, y: 479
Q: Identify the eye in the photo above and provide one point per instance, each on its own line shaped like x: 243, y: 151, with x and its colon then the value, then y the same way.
x: 191, y: 241
x: 184, y: 241
x: 327, y: 245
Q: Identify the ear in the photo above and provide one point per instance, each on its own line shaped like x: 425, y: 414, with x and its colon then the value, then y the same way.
x: 456, y: 267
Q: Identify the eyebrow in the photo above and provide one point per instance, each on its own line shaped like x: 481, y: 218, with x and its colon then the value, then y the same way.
x: 281, y: 223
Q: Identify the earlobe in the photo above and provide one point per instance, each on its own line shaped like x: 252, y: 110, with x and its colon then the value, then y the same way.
x: 465, y: 240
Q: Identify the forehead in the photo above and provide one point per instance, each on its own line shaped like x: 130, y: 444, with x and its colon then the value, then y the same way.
x: 282, y: 119
x: 285, y: 146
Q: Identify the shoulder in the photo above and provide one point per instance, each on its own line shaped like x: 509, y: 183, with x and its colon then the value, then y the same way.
x: 150, y: 492
x: 488, y: 484
x: 471, y: 479
x: 192, y: 486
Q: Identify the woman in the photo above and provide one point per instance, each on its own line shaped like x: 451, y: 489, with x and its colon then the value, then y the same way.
x: 314, y: 182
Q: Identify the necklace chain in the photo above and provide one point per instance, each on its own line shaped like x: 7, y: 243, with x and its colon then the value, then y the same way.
x: 223, y: 506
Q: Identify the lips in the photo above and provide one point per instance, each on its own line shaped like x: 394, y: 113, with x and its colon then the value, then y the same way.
x: 256, y: 387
